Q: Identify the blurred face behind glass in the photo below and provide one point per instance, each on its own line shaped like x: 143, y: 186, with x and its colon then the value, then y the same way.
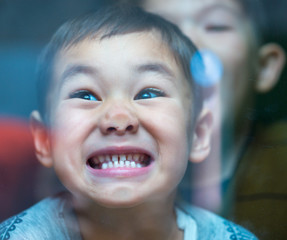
x: 222, y: 27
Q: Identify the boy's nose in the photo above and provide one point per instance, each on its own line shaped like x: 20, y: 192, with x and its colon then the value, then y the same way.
x: 119, y: 120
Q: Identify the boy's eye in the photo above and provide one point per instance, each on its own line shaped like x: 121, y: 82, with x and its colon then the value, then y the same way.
x: 84, y: 94
x: 149, y: 93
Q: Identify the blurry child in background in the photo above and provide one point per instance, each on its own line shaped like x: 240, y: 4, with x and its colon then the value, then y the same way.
x: 232, y: 30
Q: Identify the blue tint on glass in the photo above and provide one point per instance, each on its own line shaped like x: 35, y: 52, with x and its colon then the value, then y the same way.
x: 206, y: 68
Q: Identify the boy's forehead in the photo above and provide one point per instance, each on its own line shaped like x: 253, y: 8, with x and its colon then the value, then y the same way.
x: 174, y: 10
x: 194, y: 3
x: 192, y: 6
x: 138, y: 47
x: 150, y: 40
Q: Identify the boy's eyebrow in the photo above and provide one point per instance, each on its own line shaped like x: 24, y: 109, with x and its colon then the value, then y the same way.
x: 73, y: 70
x: 155, y: 67
x: 215, y: 6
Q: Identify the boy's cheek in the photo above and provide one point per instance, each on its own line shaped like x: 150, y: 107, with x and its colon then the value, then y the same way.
x: 171, y: 116
x: 65, y: 116
x: 226, y: 51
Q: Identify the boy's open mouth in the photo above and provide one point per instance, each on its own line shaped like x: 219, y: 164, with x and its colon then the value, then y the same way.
x: 138, y: 160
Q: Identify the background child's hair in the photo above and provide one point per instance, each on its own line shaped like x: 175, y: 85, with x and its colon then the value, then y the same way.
x: 106, y: 23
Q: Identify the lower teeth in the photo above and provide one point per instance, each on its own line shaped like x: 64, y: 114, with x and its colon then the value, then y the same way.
x: 121, y: 164
x: 117, y: 164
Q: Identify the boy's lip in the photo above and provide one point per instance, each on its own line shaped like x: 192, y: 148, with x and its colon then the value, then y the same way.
x: 120, y: 150
x: 136, y: 161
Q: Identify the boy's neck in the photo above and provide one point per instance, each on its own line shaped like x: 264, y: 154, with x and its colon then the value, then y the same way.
x: 147, y: 221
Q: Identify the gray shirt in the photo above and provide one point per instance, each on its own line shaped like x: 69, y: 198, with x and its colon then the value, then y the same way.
x: 54, y: 218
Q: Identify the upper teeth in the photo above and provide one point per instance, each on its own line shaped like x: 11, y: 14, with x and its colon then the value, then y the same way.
x: 122, y: 160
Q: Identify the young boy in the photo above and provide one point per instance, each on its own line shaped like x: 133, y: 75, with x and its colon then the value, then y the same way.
x: 118, y: 106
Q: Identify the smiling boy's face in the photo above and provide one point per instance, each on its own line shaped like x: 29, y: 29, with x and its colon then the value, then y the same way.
x: 120, y: 122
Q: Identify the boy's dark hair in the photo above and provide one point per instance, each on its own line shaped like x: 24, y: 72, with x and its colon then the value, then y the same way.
x: 106, y: 23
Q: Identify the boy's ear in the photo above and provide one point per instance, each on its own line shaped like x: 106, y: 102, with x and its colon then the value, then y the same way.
x: 271, y: 63
x: 41, y: 139
x: 201, y: 137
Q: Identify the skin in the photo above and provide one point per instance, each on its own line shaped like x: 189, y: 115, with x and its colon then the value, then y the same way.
x: 119, y: 111
x: 222, y: 27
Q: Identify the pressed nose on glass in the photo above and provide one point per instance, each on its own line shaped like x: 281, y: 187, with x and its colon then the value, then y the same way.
x: 119, y: 119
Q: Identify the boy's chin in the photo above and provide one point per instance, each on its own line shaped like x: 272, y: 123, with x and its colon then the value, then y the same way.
x: 118, y: 205
x: 124, y: 200
x: 121, y: 199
